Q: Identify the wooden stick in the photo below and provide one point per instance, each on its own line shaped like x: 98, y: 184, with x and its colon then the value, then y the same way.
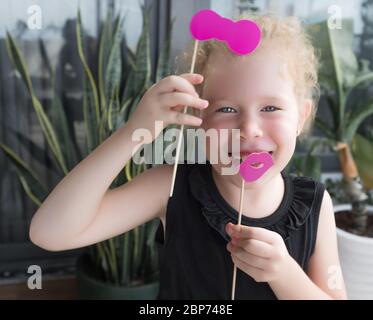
x: 239, y: 223
x: 182, y: 126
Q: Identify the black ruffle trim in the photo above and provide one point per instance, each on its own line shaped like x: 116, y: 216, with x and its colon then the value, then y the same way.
x: 289, y: 217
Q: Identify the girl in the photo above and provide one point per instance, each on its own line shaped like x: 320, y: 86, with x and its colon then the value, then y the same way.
x: 286, y: 246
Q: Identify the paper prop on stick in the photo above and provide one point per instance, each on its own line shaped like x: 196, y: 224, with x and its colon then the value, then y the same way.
x: 242, y: 37
x: 251, y: 169
x: 255, y: 165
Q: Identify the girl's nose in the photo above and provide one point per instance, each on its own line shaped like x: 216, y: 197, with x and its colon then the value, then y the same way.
x: 249, y: 128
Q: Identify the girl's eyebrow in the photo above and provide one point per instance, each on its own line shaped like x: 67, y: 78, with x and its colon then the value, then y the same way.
x: 214, y: 100
x: 279, y: 98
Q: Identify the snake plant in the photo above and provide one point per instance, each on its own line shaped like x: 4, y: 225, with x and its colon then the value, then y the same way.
x: 340, y: 76
x: 108, y: 100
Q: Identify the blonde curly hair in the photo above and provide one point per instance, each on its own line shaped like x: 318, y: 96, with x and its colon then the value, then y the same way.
x: 296, y: 48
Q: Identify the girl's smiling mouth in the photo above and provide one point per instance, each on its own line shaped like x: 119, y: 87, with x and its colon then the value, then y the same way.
x: 244, y: 154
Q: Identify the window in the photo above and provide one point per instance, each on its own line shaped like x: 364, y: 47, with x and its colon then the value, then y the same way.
x: 58, y: 39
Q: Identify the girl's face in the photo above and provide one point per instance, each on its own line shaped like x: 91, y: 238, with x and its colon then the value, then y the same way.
x: 254, y: 94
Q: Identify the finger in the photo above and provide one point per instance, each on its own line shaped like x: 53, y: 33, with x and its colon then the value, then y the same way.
x: 179, y: 98
x: 182, y: 83
x: 248, y: 258
x: 193, y: 112
x: 241, y: 231
x: 179, y: 108
x: 255, y: 273
x: 254, y: 246
x: 194, y: 78
x: 184, y: 118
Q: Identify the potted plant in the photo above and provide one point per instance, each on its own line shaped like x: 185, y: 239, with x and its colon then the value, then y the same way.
x: 341, y: 76
x: 304, y: 161
x: 125, y: 267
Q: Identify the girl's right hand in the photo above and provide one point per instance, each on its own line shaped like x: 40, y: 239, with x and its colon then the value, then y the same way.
x: 165, y: 101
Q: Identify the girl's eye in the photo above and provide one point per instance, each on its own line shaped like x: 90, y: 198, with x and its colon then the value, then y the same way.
x: 226, y: 110
x: 270, y: 108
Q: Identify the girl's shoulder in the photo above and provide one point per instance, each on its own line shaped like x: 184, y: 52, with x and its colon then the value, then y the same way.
x: 313, y: 187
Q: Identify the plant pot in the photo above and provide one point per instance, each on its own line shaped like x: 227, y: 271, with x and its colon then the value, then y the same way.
x: 356, y: 257
x: 94, y: 289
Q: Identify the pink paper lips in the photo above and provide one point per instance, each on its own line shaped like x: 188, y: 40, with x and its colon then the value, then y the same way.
x: 255, y: 165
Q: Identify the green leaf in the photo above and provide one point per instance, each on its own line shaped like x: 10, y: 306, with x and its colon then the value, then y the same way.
x: 324, y: 128
x: 18, y: 61
x: 143, y: 64
x: 39, y: 154
x: 114, y: 108
x: 338, y: 62
x: 361, y: 79
x: 364, y: 78
x: 127, y: 258
x: 130, y: 70
x: 49, y: 133
x: 113, y: 75
x: 120, y: 119
x: 298, y: 165
x: 103, y: 54
x: 137, y: 246
x: 114, y: 66
x: 163, y: 66
x: 312, y: 167
x: 356, y: 119
x: 90, y: 96
x: 132, y: 107
x: 153, y: 227
x: 65, y: 134
x: 333, y: 109
x: 362, y: 150
x: 131, y: 58
x: 31, y: 184
x: 90, y: 117
x: 45, y: 58
x: 48, y: 130
x: 59, y: 120
x: 129, y: 86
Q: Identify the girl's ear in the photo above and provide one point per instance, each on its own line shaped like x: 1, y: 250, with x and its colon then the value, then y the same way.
x: 305, y: 113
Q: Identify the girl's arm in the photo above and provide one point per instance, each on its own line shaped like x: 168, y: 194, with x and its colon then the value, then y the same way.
x: 324, y: 280
x: 82, y: 210
x: 324, y: 266
x: 262, y: 254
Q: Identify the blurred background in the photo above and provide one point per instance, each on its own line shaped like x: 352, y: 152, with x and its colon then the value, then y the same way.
x: 46, y: 91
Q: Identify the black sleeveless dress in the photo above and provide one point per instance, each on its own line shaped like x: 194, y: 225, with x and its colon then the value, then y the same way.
x: 193, y: 259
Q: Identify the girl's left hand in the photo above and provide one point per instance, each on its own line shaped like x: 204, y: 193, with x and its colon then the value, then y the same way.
x: 259, y: 252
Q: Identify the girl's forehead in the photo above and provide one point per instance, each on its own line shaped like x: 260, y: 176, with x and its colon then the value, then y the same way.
x: 265, y: 70
x: 266, y: 59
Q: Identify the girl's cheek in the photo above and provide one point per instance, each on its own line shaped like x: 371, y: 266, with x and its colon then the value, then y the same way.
x: 282, y: 124
x: 278, y: 127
